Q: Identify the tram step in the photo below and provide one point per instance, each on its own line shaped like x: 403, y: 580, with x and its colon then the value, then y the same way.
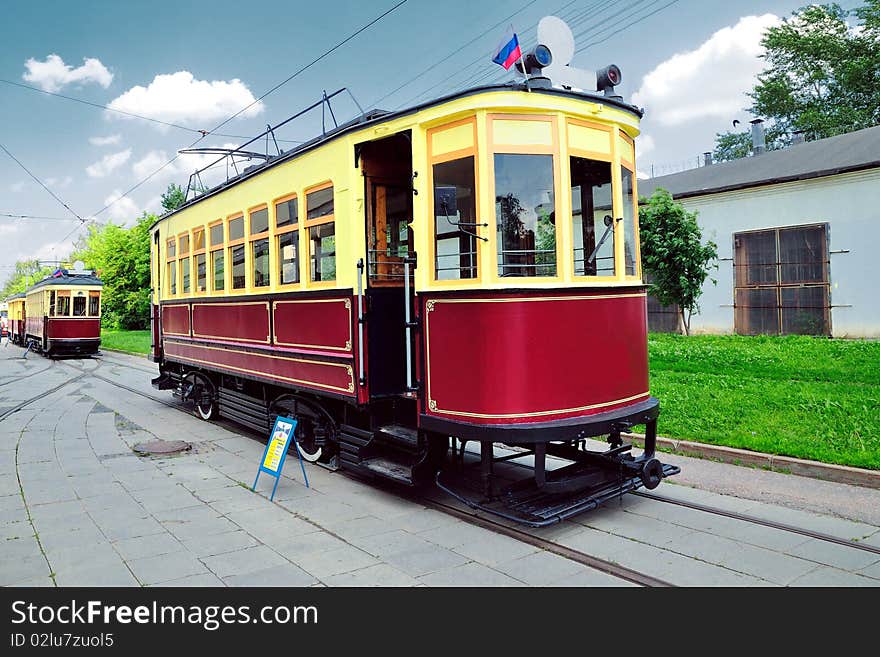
x: 390, y: 468
x: 399, y: 434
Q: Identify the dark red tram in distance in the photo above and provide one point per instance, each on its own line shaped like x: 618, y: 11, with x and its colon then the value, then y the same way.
x: 462, y: 272
x: 61, y: 314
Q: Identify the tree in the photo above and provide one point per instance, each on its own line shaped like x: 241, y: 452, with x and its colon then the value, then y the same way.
x: 121, y: 256
x: 821, y: 77
x: 673, y: 254
x: 26, y: 273
x: 173, y: 197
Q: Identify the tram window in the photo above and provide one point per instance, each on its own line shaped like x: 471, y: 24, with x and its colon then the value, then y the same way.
x: 261, y: 263
x: 172, y: 249
x: 288, y: 246
x: 94, y: 304
x: 62, y: 306
x: 525, y: 215
x: 590, y: 203
x: 455, y: 219
x: 629, y: 223
x: 172, y: 277
x: 259, y: 221
x: 323, y: 252
x: 201, y: 273
x: 217, y: 268
x: 184, y: 269
x: 79, y: 306
x: 286, y: 213
x: 319, y: 203
x: 184, y: 244
x: 217, y: 234
x: 236, y: 229
x: 238, y: 273
x: 198, y: 239
x: 51, y: 312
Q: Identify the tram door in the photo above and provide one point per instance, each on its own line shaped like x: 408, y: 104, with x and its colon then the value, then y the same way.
x: 387, y: 167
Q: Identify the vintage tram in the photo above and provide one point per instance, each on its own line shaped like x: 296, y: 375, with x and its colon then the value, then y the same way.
x: 62, y: 314
x: 463, y: 271
x: 16, y: 305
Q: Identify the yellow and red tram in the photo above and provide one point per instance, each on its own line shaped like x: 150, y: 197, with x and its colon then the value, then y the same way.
x: 62, y: 314
x: 464, y: 270
x: 16, y: 318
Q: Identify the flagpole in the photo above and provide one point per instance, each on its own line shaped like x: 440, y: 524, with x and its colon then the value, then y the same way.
x: 525, y: 75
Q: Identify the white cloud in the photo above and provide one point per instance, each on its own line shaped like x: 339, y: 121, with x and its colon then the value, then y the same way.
x: 53, y: 74
x: 59, y: 182
x: 108, y: 163
x: 184, y: 166
x: 110, y: 140
x: 17, y: 187
x: 180, y: 97
x: 124, y: 209
x: 710, y: 81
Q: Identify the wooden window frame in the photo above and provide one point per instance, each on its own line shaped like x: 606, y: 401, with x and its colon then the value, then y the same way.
x: 320, y: 221
x: 276, y: 232
x: 171, y: 257
x: 195, y: 253
x: 181, y: 257
x: 480, y: 231
x: 250, y: 274
x: 227, y: 261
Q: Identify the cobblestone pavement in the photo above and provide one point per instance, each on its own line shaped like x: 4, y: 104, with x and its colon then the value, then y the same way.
x: 78, y: 507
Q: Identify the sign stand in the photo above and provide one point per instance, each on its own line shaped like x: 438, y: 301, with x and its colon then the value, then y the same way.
x: 276, y: 452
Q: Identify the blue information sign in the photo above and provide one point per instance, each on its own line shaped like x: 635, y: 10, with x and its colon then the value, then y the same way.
x: 276, y: 451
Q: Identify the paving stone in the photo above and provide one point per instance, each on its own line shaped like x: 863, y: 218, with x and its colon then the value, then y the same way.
x: 206, y: 546
x: 186, y: 530
x: 151, y: 545
x: 832, y: 554
x: 827, y: 576
x: 205, y: 579
x: 12, y: 572
x: 286, y: 574
x: 334, y: 562
x: 122, y: 529
x: 308, y: 544
x: 361, y: 527
x: 871, y: 571
x: 470, y: 574
x: 390, y: 542
x: 82, y: 556
x: 26, y: 546
x: 540, y: 568
x: 423, y: 560
x: 106, y: 574
x: 588, y: 577
x: 493, y: 548
x: 243, y: 561
x: 378, y: 575
x: 166, y: 567
x: 72, y: 539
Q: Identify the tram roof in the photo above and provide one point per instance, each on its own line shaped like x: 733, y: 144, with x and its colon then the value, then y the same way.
x: 374, y: 116
x: 13, y: 297
x: 67, y: 281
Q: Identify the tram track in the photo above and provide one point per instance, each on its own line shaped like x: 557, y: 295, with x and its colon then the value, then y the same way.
x: 608, y: 567
x: 755, y: 520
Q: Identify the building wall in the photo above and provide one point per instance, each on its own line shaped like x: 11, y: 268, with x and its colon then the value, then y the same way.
x: 849, y: 203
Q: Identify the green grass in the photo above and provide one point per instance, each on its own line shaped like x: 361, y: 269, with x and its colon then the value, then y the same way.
x: 798, y: 396
x: 134, y: 342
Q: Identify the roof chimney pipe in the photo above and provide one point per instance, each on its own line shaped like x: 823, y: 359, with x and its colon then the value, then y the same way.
x: 759, y: 142
x: 707, y: 158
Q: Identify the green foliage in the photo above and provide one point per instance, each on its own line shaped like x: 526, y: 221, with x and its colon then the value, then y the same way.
x: 121, y: 257
x: 173, y: 197
x: 794, y: 395
x: 821, y: 75
x: 821, y: 78
x: 673, y: 253
x: 26, y: 273
x: 135, y: 342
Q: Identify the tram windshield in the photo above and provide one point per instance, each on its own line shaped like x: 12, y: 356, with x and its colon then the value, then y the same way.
x: 524, y: 211
x: 590, y: 202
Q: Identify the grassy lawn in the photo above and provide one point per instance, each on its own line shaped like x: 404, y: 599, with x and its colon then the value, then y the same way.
x: 135, y: 342
x: 797, y: 396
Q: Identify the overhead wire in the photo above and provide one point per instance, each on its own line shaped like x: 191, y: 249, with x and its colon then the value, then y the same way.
x: 41, y: 183
x: 246, y: 107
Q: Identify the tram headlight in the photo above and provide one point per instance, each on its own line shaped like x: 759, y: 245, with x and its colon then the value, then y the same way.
x: 537, y: 58
x: 607, y: 78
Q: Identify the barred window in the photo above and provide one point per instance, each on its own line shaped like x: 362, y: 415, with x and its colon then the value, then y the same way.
x: 782, y: 281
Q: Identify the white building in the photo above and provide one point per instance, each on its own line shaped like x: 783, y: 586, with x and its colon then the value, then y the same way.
x: 797, y: 233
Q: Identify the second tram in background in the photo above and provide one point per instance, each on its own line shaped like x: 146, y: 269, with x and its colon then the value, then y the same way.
x: 463, y: 271
x: 59, y: 315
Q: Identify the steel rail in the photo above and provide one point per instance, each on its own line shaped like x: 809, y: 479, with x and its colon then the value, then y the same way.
x: 760, y: 521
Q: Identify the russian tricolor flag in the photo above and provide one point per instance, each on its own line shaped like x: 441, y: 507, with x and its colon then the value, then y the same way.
x: 508, y: 50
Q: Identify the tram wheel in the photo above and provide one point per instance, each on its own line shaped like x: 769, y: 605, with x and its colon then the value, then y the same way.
x: 203, y: 397
x: 313, y: 426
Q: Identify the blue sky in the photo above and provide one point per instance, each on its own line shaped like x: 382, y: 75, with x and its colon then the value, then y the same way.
x: 687, y: 65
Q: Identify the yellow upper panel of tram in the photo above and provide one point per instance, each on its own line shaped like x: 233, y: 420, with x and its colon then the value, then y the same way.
x: 519, y: 120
